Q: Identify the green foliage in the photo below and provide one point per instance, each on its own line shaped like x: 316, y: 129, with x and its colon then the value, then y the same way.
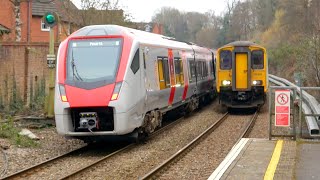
x: 16, y: 102
x: 38, y: 99
x: 9, y: 131
x: 278, y: 55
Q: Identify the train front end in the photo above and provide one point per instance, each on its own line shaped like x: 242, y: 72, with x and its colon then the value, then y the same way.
x: 90, y: 78
x: 242, y: 75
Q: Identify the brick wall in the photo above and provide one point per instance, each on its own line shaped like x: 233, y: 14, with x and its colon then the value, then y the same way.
x: 7, y: 18
x: 25, y: 65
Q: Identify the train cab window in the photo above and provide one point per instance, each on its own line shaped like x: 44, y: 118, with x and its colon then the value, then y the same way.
x: 178, y: 71
x: 257, y: 59
x: 135, y: 65
x: 225, y: 59
x: 163, y: 72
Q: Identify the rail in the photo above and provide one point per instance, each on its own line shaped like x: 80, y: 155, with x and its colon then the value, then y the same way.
x: 309, y: 105
x: 162, y: 167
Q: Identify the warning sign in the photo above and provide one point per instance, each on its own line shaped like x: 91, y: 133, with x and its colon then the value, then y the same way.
x: 282, y: 108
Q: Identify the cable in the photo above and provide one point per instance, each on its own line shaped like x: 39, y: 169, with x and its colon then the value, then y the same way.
x: 5, y: 167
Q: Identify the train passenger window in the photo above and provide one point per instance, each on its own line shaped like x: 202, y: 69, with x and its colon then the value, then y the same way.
x: 163, y: 72
x: 257, y: 59
x: 135, y: 65
x: 225, y: 59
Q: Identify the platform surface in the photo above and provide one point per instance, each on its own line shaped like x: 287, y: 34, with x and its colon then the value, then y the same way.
x: 252, y: 159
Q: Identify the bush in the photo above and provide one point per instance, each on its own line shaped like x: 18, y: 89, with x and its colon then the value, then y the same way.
x: 9, y: 131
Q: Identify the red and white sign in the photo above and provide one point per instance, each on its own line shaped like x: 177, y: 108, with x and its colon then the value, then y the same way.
x: 282, y: 108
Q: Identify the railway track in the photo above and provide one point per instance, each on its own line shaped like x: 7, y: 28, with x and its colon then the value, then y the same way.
x: 36, y: 170
x: 162, y: 168
x: 127, y: 148
x: 70, y: 159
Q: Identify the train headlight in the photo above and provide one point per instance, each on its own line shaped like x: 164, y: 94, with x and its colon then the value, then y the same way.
x: 256, y: 82
x: 63, y: 93
x: 226, y: 83
x: 116, y: 91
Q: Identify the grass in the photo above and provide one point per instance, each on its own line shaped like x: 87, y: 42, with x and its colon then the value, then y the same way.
x: 9, y: 131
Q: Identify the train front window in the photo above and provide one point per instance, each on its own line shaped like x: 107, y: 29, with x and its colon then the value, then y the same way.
x: 225, y: 59
x: 257, y: 59
x: 93, y: 60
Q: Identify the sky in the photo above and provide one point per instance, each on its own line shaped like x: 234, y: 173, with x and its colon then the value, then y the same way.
x: 143, y: 10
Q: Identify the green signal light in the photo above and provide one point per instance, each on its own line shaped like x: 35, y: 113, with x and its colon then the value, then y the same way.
x: 50, y: 19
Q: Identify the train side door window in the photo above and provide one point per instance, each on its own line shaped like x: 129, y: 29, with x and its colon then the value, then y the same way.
x: 205, y: 67
x: 178, y: 71
x: 225, y: 60
x: 163, y: 70
x: 135, y: 65
x: 257, y: 59
x: 192, y: 74
x: 181, y: 72
x: 199, y: 69
x: 162, y: 82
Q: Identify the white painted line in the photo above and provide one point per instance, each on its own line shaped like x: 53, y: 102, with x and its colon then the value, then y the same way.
x: 233, y: 154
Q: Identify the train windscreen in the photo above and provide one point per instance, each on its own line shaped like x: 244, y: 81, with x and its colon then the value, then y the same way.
x: 93, y: 60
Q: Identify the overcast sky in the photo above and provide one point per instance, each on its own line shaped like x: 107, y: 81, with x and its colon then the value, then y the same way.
x: 143, y: 10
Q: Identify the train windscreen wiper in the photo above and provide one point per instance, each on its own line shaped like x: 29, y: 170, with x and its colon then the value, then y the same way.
x: 75, y: 73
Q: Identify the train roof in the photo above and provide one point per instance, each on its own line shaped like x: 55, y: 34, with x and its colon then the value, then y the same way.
x: 241, y: 43
x: 141, y: 36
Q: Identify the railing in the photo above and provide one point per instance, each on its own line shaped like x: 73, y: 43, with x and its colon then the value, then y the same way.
x: 307, y: 103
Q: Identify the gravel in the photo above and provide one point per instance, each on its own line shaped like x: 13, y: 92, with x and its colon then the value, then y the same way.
x: 50, y: 145
x: 261, y: 126
x: 143, y: 158
x: 201, y: 161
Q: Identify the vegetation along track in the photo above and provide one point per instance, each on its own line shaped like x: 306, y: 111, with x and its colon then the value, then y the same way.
x: 188, y: 162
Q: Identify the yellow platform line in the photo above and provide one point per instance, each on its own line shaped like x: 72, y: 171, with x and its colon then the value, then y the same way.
x: 274, y: 161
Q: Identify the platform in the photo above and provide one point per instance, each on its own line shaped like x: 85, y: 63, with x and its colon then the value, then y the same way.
x: 275, y: 159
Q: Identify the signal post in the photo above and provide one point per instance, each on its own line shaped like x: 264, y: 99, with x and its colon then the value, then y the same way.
x: 51, y: 20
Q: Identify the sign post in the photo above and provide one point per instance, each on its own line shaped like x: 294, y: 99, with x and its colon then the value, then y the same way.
x: 282, y: 108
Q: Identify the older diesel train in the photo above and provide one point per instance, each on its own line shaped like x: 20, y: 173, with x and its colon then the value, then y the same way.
x: 242, y: 74
x: 113, y: 80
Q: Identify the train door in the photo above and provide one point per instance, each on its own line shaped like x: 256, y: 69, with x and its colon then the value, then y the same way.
x: 241, y: 63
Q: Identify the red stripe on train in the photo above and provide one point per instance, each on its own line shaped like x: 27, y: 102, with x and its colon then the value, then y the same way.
x: 172, y: 78
x: 186, y: 78
x: 185, y: 91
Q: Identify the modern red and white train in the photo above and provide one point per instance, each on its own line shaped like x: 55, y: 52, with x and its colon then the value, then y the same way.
x: 113, y: 80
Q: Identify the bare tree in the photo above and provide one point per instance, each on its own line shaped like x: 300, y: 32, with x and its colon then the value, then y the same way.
x: 102, y: 12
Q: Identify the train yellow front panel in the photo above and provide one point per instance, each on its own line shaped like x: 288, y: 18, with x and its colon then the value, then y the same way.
x: 241, y: 70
